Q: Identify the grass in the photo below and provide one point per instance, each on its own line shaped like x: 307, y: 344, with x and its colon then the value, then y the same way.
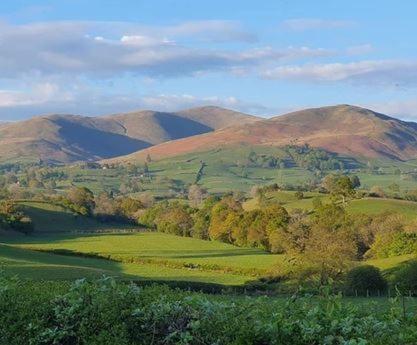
x: 145, y: 256
x: 150, y: 255
x: 376, y: 206
x: 51, y: 218
x: 153, y: 256
x: 390, y: 263
x: 288, y: 200
x: 370, y: 206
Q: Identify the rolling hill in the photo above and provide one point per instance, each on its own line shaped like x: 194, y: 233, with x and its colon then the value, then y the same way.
x: 342, y: 129
x: 69, y: 138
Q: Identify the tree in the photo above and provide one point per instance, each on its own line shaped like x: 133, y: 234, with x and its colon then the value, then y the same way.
x: 175, y: 219
x: 405, y: 278
x: 356, y: 183
x: 377, y: 191
x: 202, y: 219
x: 129, y: 207
x: 339, y: 186
x: 147, y: 199
x: 299, y: 195
x: 196, y: 195
x: 324, y: 244
x: 105, y: 207
x: 12, y: 218
x: 364, y: 279
x: 81, y: 200
x: 223, y: 215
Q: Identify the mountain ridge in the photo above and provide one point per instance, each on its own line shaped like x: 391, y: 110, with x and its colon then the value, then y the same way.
x: 67, y: 138
x: 343, y: 129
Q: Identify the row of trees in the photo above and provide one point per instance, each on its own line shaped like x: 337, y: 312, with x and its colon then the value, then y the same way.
x: 325, y: 242
x: 104, y: 206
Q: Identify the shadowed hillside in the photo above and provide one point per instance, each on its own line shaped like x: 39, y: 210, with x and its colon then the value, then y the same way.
x: 343, y: 129
x: 68, y: 138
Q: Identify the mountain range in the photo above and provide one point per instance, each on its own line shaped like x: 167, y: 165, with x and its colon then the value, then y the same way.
x: 70, y: 138
x: 343, y: 129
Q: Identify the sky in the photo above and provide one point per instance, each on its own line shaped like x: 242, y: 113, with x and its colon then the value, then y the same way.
x: 264, y: 57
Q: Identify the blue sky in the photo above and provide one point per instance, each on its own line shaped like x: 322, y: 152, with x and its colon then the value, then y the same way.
x: 263, y: 57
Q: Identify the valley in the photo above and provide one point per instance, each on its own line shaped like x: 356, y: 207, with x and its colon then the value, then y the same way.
x: 239, y: 211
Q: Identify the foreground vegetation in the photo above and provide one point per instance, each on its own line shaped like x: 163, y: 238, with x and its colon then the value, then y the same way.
x: 105, y: 312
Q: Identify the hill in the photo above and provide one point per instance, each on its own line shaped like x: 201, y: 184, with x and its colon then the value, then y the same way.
x: 69, y: 138
x: 342, y: 129
x: 52, y: 218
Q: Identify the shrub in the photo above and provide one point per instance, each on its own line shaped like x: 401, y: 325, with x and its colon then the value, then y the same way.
x: 365, y: 278
x: 105, y: 312
x: 299, y: 195
x: 405, y: 279
x: 387, y: 244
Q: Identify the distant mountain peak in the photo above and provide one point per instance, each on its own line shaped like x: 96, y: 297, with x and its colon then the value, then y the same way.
x: 68, y: 138
x: 345, y: 129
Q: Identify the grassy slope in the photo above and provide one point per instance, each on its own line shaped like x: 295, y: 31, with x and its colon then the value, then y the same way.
x: 366, y: 205
x: 157, y: 255
x: 54, y: 218
x: 376, y: 206
x: 220, y: 263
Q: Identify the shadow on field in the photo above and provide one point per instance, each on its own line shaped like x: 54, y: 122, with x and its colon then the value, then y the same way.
x: 26, y: 256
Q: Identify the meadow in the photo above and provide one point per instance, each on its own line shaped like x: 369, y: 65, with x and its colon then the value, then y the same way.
x: 372, y: 206
x: 227, y: 169
x: 66, y: 247
x: 144, y: 255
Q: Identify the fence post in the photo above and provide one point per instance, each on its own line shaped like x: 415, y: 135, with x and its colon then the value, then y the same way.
x: 356, y: 293
x: 367, y: 293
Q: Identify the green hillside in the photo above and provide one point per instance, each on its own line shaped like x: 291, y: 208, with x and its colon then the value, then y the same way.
x: 54, y: 218
x: 144, y: 256
x: 370, y: 206
x: 139, y: 256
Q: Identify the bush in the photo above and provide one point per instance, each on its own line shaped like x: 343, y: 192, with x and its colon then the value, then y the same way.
x: 299, y: 195
x: 106, y: 312
x: 365, y: 278
x: 405, y: 279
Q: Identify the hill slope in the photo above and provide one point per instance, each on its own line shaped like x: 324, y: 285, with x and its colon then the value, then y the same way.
x: 343, y: 129
x: 68, y: 138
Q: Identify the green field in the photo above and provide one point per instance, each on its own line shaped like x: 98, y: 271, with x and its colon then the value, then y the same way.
x: 288, y: 200
x: 371, y: 206
x: 55, y: 218
x: 143, y: 256
x: 151, y: 255
x: 375, y: 206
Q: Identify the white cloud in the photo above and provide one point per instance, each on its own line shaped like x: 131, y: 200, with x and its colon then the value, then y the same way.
x: 304, y: 24
x: 377, y: 72
x: 38, y: 94
x: 77, y: 98
x: 107, y: 49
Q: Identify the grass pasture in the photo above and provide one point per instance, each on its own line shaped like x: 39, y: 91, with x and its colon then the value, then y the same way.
x: 52, y: 218
x: 288, y: 200
x: 376, y: 206
x: 370, y: 206
x: 152, y: 256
